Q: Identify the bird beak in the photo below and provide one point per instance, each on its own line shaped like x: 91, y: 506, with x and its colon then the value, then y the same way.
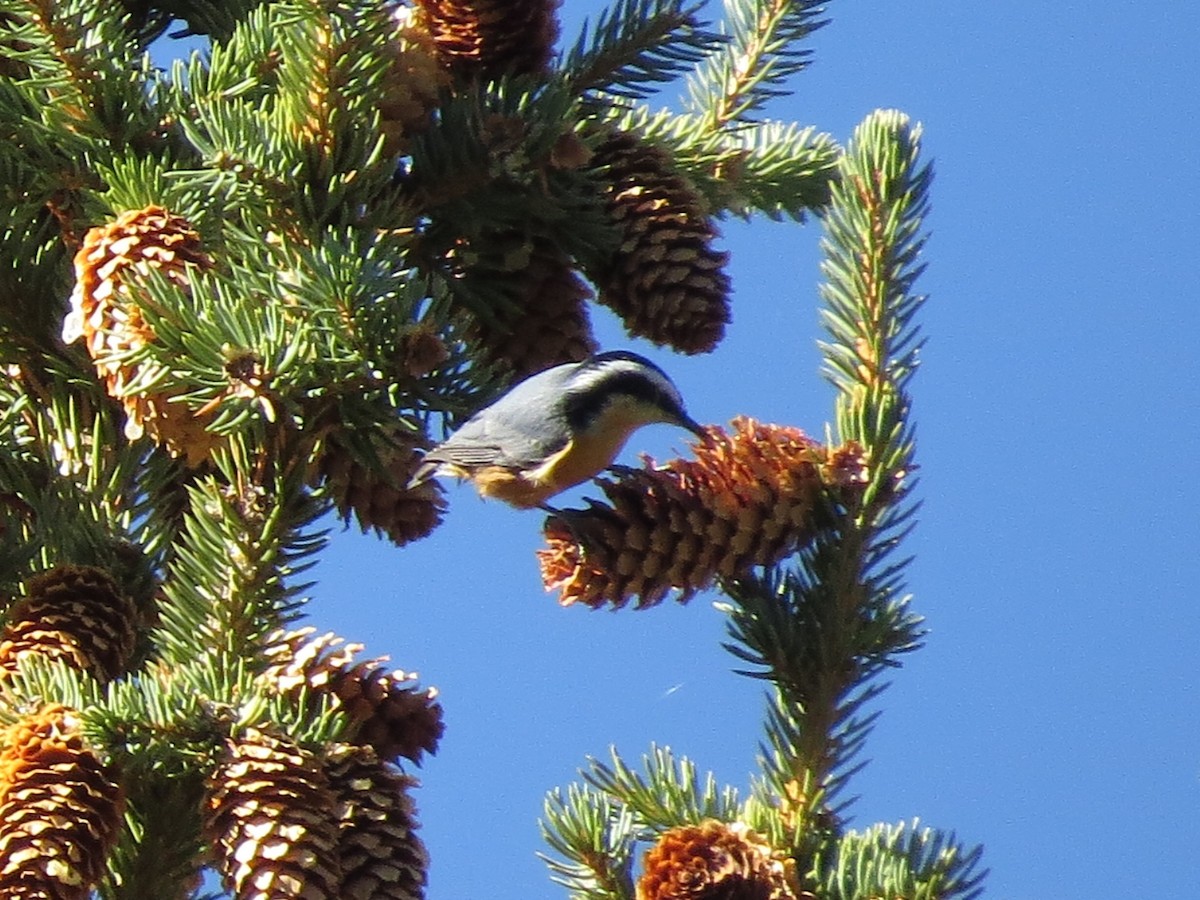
x: 694, y: 427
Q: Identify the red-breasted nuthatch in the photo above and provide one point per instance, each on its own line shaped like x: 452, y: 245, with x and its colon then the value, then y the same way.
x: 557, y: 428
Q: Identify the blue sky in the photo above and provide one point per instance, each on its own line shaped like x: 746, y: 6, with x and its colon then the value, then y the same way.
x: 1053, y: 714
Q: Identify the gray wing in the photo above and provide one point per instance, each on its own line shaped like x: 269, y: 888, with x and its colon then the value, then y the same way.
x: 485, y: 441
x: 517, y: 431
x: 520, y: 429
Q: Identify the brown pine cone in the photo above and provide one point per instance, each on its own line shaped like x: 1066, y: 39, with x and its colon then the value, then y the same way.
x: 748, y: 498
x: 378, y: 496
x: 387, y: 710
x: 548, y: 323
x: 60, y: 809
x: 489, y: 38
x: 73, y: 613
x: 381, y: 856
x: 665, y: 281
x: 106, y: 314
x: 715, y: 861
x: 271, y: 823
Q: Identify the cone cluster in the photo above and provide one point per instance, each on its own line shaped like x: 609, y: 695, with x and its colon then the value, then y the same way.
x: 72, y: 613
x: 60, y: 809
x: 105, y: 312
x: 748, y: 498
x: 666, y: 281
x: 547, y: 322
x: 489, y: 38
x: 381, y: 856
x: 715, y: 861
x: 387, y: 710
x: 376, y: 492
x: 268, y: 819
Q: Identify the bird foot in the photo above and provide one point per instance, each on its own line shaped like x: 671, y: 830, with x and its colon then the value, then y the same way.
x: 565, y: 516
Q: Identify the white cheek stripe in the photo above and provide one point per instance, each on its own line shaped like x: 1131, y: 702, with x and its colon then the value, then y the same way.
x: 591, y: 378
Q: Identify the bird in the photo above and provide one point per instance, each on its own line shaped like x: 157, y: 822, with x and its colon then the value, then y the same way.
x: 557, y: 428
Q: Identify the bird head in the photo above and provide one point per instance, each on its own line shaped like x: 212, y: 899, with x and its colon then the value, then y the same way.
x: 622, y: 391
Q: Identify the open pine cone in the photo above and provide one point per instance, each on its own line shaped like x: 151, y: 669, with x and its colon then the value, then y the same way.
x: 748, y: 498
x: 73, y: 613
x: 387, y: 709
x: 375, y: 491
x: 60, y: 809
x: 105, y: 312
x: 665, y: 281
x: 715, y: 861
x: 270, y: 821
x: 489, y: 38
x: 381, y: 856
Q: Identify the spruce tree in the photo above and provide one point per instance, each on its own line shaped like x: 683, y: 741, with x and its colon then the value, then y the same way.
x: 244, y: 293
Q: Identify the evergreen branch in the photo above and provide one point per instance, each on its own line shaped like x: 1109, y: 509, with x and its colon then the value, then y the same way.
x: 900, y: 861
x: 283, y: 332
x: 789, y: 727
x: 635, y: 46
x: 73, y: 486
x: 227, y: 584
x: 164, y: 719
x: 39, y: 680
x: 873, y: 241
x: 33, y: 282
x: 492, y: 162
x: 334, y: 64
x: 762, y: 54
x: 218, y: 19
x: 822, y: 631
x: 287, y: 113
x: 669, y: 794
x: 244, y: 67
x: 777, y: 169
x: 139, y: 182
x: 595, y: 835
x: 158, y: 848
x: 100, y: 96
x: 57, y: 37
x: 770, y: 167
x: 821, y: 649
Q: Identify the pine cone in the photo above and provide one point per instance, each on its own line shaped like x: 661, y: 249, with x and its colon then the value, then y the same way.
x: 60, y: 809
x: 381, y: 856
x: 378, y: 496
x: 420, y: 350
x: 547, y: 323
x: 489, y: 38
x: 73, y: 613
x: 412, y: 84
x: 105, y: 313
x: 270, y: 821
x: 387, y: 710
x: 715, y: 861
x: 666, y: 282
x: 747, y: 499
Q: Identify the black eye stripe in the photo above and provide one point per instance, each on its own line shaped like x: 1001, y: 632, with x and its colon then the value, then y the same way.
x: 582, y: 407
